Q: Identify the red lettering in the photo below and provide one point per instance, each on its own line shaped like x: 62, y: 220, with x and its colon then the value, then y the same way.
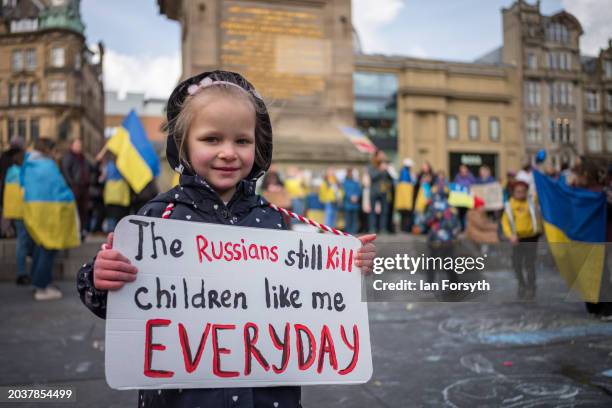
x: 327, y: 346
x: 304, y: 365
x: 331, y: 253
x: 229, y: 256
x: 281, y: 345
x: 251, y: 350
x: 350, y: 261
x: 353, y: 347
x: 150, y: 346
x: 217, y: 351
x: 191, y: 363
x: 202, y: 243
x: 274, y: 253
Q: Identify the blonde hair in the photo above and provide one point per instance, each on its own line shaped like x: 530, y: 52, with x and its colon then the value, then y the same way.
x: 183, y: 120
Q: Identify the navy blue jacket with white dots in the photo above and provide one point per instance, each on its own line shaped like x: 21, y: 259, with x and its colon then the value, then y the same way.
x: 194, y: 200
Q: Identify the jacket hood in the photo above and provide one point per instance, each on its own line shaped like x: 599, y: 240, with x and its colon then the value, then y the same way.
x: 263, y: 139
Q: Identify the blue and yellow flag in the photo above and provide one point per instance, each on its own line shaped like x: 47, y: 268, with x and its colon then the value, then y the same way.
x: 116, y: 190
x: 135, y: 156
x: 12, y: 200
x: 575, y: 225
x: 49, y: 212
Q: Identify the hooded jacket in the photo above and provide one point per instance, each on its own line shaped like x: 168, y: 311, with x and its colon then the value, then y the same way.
x: 196, y: 201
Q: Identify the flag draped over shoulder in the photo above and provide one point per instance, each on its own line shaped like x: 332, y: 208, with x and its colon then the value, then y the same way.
x: 116, y: 190
x: 49, y: 213
x: 12, y: 201
x: 135, y: 156
x: 575, y: 225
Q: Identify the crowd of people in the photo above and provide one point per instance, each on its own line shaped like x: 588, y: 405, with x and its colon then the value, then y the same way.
x: 379, y: 198
x: 75, y: 180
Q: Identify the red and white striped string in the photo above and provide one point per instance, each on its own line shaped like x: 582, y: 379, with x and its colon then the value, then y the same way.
x: 308, y: 220
x: 170, y: 207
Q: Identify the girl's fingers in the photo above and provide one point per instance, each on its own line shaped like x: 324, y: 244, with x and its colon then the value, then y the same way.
x: 362, y: 256
x: 112, y: 255
x: 112, y: 265
x: 108, y: 285
x: 367, y: 238
x: 109, y: 240
x: 115, y: 276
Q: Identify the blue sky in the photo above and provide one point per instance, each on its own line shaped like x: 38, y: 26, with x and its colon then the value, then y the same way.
x: 143, y: 47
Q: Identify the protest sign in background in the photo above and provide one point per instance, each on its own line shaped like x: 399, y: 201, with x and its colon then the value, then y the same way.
x: 219, y: 306
x: 491, y: 193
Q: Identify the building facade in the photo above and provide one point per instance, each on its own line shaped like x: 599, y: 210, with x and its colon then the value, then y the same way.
x: 451, y: 113
x: 534, y: 92
x: 545, y: 51
x: 50, y: 82
x: 597, y: 102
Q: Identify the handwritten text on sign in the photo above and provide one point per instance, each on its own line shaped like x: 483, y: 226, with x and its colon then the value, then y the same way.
x: 218, y: 306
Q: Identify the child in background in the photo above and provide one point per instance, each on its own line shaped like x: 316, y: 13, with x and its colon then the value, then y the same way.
x: 220, y: 140
x: 521, y: 225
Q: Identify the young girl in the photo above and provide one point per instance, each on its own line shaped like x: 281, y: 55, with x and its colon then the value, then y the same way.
x: 220, y: 140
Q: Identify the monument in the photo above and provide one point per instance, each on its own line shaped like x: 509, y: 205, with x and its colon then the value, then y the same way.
x: 298, y: 54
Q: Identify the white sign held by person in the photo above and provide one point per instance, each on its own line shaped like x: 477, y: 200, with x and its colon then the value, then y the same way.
x: 217, y: 306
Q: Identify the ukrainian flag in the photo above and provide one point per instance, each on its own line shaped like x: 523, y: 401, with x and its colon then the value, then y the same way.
x: 116, y: 190
x: 49, y: 212
x: 575, y: 225
x: 460, y: 196
x: 12, y: 200
x: 135, y: 156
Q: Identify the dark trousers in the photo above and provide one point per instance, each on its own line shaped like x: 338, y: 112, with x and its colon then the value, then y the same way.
x: 42, y: 266
x: 524, y: 258
x: 406, y: 220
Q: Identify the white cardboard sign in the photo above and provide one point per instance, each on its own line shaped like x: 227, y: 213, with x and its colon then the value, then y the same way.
x: 218, y: 306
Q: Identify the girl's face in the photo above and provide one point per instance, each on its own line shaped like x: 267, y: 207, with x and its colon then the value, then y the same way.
x: 221, y: 142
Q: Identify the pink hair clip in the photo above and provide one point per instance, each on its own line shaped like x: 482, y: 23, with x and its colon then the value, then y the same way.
x: 206, y: 82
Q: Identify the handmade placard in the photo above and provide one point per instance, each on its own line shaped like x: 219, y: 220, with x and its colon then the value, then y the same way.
x: 218, y: 306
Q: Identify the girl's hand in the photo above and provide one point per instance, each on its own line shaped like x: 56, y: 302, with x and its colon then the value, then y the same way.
x: 367, y: 252
x: 111, y: 269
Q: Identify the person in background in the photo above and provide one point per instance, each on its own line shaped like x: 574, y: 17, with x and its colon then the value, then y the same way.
x: 116, y: 196
x: 294, y: 184
x: 330, y: 194
x: 420, y: 205
x: 50, y: 215
x: 366, y: 203
x: 7, y: 159
x: 426, y: 169
x: 440, y: 184
x: 380, y: 191
x: 96, y: 199
x: 352, y: 201
x: 444, y: 227
x: 404, y: 195
x: 484, y: 175
x: 464, y: 178
x: 510, y: 177
x: 521, y: 226
x: 13, y: 210
x: 76, y: 171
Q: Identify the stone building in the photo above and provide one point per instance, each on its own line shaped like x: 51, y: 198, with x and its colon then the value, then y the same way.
x: 545, y: 51
x: 50, y: 81
x: 597, y: 102
x: 450, y: 113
